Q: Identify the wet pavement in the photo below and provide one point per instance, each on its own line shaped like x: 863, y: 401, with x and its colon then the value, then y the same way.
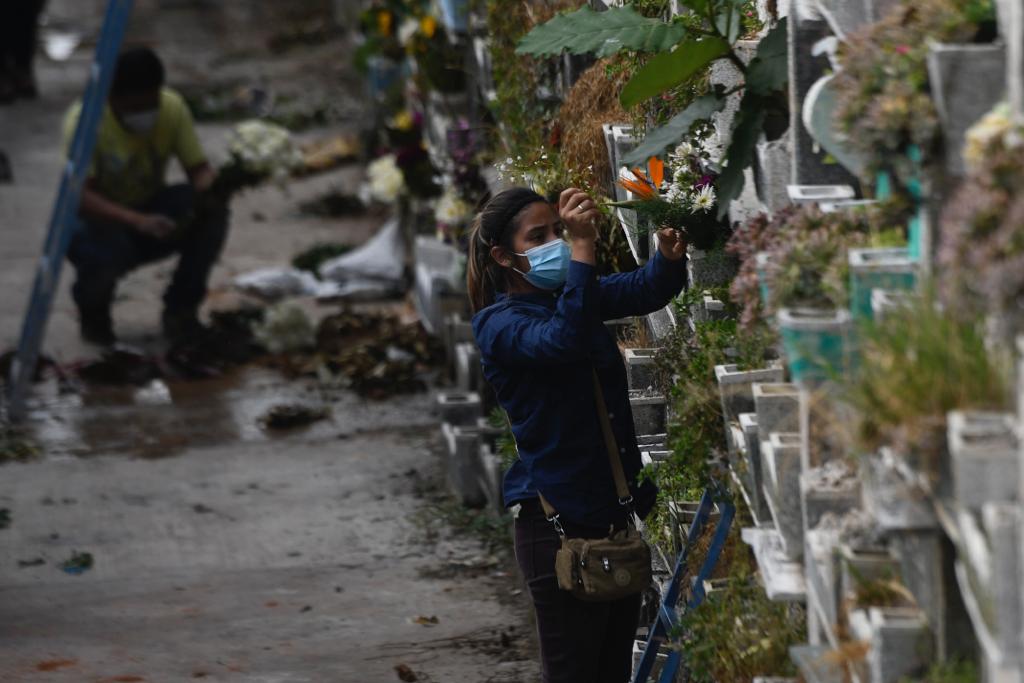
x: 222, y: 550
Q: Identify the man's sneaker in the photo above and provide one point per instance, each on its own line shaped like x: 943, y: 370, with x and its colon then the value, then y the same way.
x: 97, y: 331
x: 181, y: 324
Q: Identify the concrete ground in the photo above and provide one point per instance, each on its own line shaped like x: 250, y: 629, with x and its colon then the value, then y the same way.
x: 223, y: 552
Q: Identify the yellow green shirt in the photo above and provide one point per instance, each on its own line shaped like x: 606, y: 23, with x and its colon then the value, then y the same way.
x: 129, y: 168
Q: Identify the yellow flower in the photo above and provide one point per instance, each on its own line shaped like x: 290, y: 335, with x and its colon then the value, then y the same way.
x: 428, y: 26
x: 402, y: 120
x: 384, y: 21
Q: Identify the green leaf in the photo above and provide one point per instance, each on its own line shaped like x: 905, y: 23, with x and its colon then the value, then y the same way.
x: 583, y: 31
x: 673, y: 131
x: 745, y: 132
x: 669, y: 69
x: 727, y: 21
x: 769, y: 70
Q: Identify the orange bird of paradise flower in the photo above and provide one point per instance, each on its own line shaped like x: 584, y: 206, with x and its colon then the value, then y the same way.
x: 646, y: 186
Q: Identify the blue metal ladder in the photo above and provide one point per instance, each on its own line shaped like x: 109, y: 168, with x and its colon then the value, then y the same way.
x: 64, y: 220
x: 668, y: 613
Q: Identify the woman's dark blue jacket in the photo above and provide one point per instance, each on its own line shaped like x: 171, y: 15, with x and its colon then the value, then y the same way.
x: 537, y: 352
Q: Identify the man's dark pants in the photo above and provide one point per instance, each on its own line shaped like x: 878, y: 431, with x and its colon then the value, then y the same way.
x: 103, y: 254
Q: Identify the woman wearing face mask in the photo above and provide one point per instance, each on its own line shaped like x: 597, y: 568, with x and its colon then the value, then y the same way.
x: 539, y: 322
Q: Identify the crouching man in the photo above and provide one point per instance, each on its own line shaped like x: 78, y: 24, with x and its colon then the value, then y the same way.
x: 130, y: 217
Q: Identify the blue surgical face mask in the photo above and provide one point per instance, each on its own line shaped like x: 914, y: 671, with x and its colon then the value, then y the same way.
x: 549, y: 264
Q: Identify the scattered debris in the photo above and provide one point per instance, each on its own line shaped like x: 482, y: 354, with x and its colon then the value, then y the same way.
x: 201, y: 509
x: 15, y: 444
x: 324, y: 155
x: 273, y: 284
x: 34, y: 562
x: 333, y: 204
x: 119, y: 365
x: 227, y: 342
x: 77, y: 563
x: 285, y: 329
x: 311, y: 259
x: 290, y: 415
x: 54, y: 664
x: 6, y: 173
x: 5, y: 518
x: 306, y: 608
x: 426, y: 621
x: 405, y: 673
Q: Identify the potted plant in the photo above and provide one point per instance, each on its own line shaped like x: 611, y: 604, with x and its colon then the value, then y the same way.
x: 914, y: 368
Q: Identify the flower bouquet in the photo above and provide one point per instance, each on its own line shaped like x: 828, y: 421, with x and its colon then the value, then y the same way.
x: 258, y: 151
x: 453, y: 215
x: 687, y: 202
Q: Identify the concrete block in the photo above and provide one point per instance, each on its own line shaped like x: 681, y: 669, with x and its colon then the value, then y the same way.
x: 649, y: 413
x: 902, y: 644
x: 859, y: 565
x: 710, y: 268
x: 821, y: 570
x: 1002, y: 523
x: 459, y: 407
x: 984, y: 455
x: 815, y: 194
x: 463, y: 463
x: 490, y: 477
x: 772, y: 171
x: 640, y: 369
x: 725, y: 73
x: 926, y: 567
x: 468, y: 372
x: 966, y: 81
x: 780, y: 456
x: 805, y: 69
x: 777, y: 405
x: 735, y: 388
x: 895, y: 502
x: 783, y: 579
x: 832, y: 488
x: 713, y: 308
x: 639, y: 647
x: 749, y: 471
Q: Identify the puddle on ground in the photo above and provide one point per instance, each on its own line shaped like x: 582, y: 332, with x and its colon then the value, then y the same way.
x: 165, y: 418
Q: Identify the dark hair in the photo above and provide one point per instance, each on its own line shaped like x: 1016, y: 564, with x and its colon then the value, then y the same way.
x: 138, y: 70
x: 484, y: 276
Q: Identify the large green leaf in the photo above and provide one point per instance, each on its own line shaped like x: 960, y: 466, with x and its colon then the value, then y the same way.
x: 673, y: 131
x: 727, y: 21
x: 769, y: 70
x: 669, y: 69
x: 745, y: 132
x: 617, y: 28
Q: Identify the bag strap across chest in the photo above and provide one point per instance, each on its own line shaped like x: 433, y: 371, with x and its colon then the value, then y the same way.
x: 614, y: 459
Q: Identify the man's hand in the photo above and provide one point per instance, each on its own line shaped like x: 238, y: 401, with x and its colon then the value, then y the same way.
x: 579, y: 213
x: 202, y: 177
x: 671, y: 244
x: 155, y: 225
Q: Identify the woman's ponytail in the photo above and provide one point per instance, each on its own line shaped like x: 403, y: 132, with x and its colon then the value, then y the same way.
x: 484, y: 276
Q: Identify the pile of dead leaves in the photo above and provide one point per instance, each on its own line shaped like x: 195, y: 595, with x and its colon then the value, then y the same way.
x: 375, y: 355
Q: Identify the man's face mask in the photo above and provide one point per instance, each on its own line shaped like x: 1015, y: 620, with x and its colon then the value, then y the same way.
x: 549, y: 264
x: 141, y: 121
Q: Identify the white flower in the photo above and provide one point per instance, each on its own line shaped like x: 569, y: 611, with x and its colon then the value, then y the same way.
x: 407, y: 30
x: 265, y: 148
x: 451, y: 209
x: 704, y: 200
x: 682, y: 151
x: 996, y: 125
x: 386, y: 180
x: 676, y: 194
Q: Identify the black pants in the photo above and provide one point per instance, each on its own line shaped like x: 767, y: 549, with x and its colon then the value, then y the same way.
x: 18, y: 29
x: 103, y: 254
x: 580, y: 642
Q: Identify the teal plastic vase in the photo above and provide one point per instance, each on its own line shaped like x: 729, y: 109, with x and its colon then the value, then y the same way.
x: 817, y: 343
